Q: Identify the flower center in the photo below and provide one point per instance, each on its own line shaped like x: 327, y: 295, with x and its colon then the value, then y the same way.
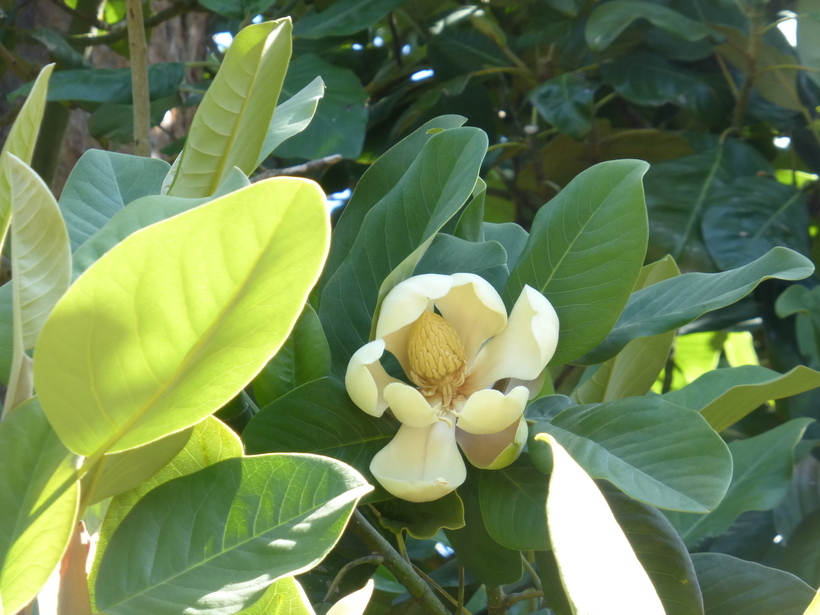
x: 436, y: 356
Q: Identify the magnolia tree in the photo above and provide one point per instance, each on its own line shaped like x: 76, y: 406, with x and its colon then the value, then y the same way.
x: 386, y: 414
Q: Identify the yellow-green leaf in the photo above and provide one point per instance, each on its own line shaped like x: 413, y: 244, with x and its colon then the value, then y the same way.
x: 175, y: 320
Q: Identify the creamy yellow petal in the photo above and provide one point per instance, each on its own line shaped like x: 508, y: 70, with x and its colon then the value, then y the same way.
x: 409, y: 406
x: 355, y: 603
x: 524, y: 348
x: 497, y: 450
x: 366, y: 379
x: 474, y: 309
x: 420, y: 464
x: 490, y: 411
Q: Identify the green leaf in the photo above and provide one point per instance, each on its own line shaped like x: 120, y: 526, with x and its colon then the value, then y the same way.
x: 762, y: 471
x: 210, y: 441
x: 239, y: 9
x: 283, y: 597
x: 339, y: 124
x: 732, y: 586
x: 513, y: 502
x: 650, y: 449
x: 610, y: 19
x: 101, y: 184
x: 212, y: 541
x: 801, y: 555
x: 808, y: 31
x: 566, y: 103
x: 6, y: 332
x: 344, y: 17
x: 589, y: 545
x: 673, y: 303
x: 21, y: 140
x: 724, y: 396
x: 585, y: 252
x: 448, y: 255
x: 292, y: 116
x: 40, y: 494
x: 304, y: 357
x: 123, y: 471
x: 660, y: 551
x: 752, y: 215
x: 457, y: 51
x: 511, y: 236
x: 319, y: 418
x: 143, y: 337
x: 115, y: 121
x: 799, y: 300
x: 402, y: 219
x: 225, y: 132
x: 110, y: 85
x: 633, y: 371
x: 422, y: 520
x: 143, y: 212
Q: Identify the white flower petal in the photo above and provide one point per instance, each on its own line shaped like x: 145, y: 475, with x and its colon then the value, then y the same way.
x: 355, y: 603
x: 366, y: 379
x: 497, y: 450
x: 524, y: 348
x: 409, y: 406
x: 420, y: 464
x: 474, y: 309
x: 490, y: 411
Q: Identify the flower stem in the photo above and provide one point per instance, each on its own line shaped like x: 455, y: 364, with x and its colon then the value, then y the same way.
x: 496, y: 601
x: 397, y: 565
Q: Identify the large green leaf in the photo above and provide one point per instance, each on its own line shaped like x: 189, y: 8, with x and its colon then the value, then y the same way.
x: 292, y: 116
x: 566, y: 103
x: 209, y: 442
x: 238, y: 9
x: 599, y: 570
x: 660, y: 551
x: 633, y: 371
x: 585, y: 252
x: 675, y: 302
x: 422, y: 520
x: 143, y: 338
x: 344, y: 17
x: 801, y: 555
x: 448, y: 255
x: 402, y: 219
x: 6, y: 332
x: 40, y: 493
x: 724, y: 396
x: 319, y: 418
x: 732, y: 586
x: 212, y: 541
x: 751, y: 215
x: 650, y: 449
x: 609, y: 19
x: 305, y: 356
x: 339, y: 123
x: 229, y: 127
x: 283, y: 597
x: 762, y: 470
x: 808, y: 31
x: 40, y: 262
x: 101, y: 184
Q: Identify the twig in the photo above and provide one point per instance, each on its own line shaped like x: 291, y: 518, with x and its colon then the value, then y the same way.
x: 396, y: 564
x: 334, y: 586
x: 119, y: 30
x: 514, y: 598
x: 89, y: 19
x: 300, y: 169
x: 139, y: 77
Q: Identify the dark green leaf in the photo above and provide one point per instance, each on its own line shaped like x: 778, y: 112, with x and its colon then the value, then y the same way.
x: 801, y: 556
x: 459, y: 50
x: 448, y: 255
x: 422, y: 520
x: 115, y: 121
x: 238, y: 9
x: 566, y: 103
x: 673, y: 303
x: 344, y: 17
x: 585, y: 252
x: 511, y: 236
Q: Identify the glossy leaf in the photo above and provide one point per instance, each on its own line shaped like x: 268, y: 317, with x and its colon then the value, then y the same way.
x: 422, y: 520
x: 304, y: 357
x: 673, y: 303
x: 732, y: 586
x: 660, y: 551
x: 143, y: 337
x: 448, y: 255
x: 101, y: 184
x: 238, y: 9
x: 402, y: 219
x: 6, y: 332
x: 585, y: 252
x: 339, y: 123
x: 762, y: 470
x: 40, y: 494
x: 344, y: 17
x: 801, y: 556
x: 724, y: 396
x: 319, y: 418
x: 609, y: 20
x: 566, y: 103
x: 590, y: 547
x: 212, y: 541
x: 511, y: 236
x: 646, y: 447
x: 292, y: 116
x: 283, y: 597
x: 225, y: 132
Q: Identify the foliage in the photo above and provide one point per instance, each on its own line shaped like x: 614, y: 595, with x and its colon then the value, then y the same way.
x: 174, y: 337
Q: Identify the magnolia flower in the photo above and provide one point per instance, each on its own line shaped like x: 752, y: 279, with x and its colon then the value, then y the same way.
x: 473, y: 370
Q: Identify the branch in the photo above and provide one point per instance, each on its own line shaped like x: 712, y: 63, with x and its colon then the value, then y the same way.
x: 139, y: 77
x: 401, y: 568
x: 89, y: 19
x: 119, y: 30
x: 300, y: 169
